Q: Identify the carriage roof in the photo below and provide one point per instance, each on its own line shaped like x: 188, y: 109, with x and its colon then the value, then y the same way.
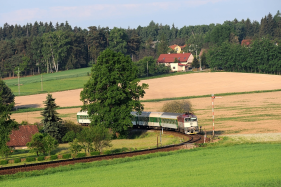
x: 82, y: 113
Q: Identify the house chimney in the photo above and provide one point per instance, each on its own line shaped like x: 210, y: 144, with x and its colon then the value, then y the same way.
x: 183, y: 52
x: 168, y: 53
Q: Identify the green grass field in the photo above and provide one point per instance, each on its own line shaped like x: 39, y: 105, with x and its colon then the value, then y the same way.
x: 237, y: 165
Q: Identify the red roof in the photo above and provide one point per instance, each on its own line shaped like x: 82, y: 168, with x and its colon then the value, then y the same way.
x: 246, y: 42
x: 170, y: 58
x: 20, y: 137
x: 175, y: 45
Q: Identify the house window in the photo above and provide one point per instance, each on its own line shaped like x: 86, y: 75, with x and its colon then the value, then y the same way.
x: 174, y: 67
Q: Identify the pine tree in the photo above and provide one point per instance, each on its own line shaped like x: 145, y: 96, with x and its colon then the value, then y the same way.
x: 52, y: 123
x: 162, y: 47
x: 270, y: 25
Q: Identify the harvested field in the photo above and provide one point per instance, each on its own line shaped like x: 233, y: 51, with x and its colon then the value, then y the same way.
x: 175, y: 86
x: 245, y: 113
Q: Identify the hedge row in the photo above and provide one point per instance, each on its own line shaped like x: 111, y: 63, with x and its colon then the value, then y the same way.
x: 53, y: 157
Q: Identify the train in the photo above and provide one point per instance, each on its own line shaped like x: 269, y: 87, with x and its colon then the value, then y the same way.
x: 186, y: 123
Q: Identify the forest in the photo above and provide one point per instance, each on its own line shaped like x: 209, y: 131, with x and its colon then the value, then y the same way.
x: 45, y: 48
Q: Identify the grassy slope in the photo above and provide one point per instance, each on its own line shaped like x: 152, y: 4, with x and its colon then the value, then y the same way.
x: 239, y: 165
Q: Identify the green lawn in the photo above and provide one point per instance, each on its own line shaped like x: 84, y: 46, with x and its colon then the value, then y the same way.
x: 238, y: 165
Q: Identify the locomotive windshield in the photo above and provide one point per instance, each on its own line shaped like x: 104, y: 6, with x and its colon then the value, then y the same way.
x: 193, y: 119
x: 190, y: 119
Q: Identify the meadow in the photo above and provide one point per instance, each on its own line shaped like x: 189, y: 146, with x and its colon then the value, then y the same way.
x: 235, y: 165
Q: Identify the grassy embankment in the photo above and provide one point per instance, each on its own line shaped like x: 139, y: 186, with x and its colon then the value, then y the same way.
x: 221, y: 164
x: 137, y: 141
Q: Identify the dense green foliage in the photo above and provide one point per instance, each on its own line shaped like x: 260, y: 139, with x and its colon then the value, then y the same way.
x: 112, y: 92
x: 6, y: 123
x: 18, y: 160
x: 52, y: 123
x: 30, y: 159
x: 43, y: 47
x: 240, y: 165
x: 262, y: 56
x: 42, y: 143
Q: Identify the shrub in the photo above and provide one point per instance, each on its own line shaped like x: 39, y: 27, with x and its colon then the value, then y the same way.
x: 17, y: 160
x: 66, y: 156
x: 71, y: 126
x: 3, y: 162
x: 69, y: 137
x: 53, y: 157
x: 40, y: 158
x: 95, y: 153
x: 80, y: 155
x: 30, y: 159
x: 107, y: 152
x: 177, y: 106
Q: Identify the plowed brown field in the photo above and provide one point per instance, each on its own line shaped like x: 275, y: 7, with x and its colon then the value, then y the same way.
x: 246, y: 113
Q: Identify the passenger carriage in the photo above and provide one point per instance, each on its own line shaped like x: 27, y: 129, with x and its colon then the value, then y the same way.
x: 186, y: 123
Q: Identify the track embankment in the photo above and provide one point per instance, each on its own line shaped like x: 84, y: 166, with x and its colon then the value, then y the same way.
x: 188, y: 143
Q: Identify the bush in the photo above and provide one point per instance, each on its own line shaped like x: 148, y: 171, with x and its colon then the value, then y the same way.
x: 40, y: 158
x: 71, y: 126
x: 80, y: 155
x: 177, y: 106
x: 3, y: 162
x: 17, y: 160
x: 54, y: 157
x: 69, y: 137
x: 95, y: 153
x: 30, y: 159
x: 107, y: 152
x: 66, y: 156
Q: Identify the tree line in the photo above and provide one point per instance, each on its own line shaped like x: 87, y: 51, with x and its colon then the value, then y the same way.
x: 263, y: 56
x: 44, y: 47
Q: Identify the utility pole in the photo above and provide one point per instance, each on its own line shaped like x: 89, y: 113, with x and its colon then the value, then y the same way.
x: 19, y: 80
x: 213, y: 112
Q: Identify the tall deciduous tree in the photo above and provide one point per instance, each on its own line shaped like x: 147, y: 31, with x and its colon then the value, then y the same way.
x: 52, y: 123
x: 113, y: 91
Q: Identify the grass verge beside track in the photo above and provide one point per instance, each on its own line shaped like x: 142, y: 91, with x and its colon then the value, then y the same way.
x: 235, y: 165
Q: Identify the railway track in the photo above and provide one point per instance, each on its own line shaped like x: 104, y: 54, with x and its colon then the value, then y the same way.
x: 189, y: 141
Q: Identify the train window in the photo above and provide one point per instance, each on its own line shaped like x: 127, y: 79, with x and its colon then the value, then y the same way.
x: 187, y: 119
x: 193, y: 119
